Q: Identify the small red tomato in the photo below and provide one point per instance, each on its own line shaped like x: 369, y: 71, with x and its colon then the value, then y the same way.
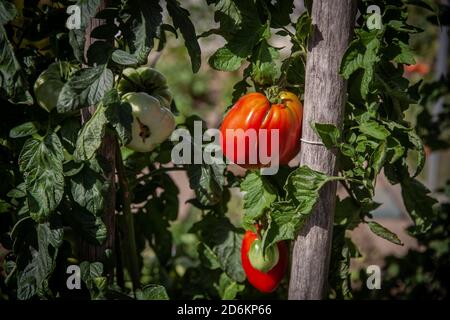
x: 254, y: 112
x: 276, y: 261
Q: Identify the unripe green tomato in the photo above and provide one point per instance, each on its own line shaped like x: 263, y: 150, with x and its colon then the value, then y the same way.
x: 261, y: 262
x: 152, y: 123
x: 148, y: 80
x: 49, y: 84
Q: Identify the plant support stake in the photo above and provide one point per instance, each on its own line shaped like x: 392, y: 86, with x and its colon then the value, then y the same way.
x: 325, y: 93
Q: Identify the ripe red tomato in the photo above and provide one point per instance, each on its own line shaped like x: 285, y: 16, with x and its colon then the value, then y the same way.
x: 263, y: 281
x: 419, y: 68
x: 255, y: 111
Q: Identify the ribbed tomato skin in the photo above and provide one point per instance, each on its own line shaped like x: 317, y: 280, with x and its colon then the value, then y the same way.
x: 264, y: 282
x: 254, y: 111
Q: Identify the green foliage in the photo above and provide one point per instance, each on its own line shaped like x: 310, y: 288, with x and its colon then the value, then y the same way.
x: 56, y: 185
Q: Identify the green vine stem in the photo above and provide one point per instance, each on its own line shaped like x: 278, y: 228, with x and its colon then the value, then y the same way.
x: 129, y: 235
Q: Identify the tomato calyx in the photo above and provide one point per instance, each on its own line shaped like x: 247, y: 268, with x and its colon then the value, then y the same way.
x: 273, y: 95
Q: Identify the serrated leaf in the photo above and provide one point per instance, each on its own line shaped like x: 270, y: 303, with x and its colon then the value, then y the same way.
x: 148, y: 17
x: 384, y: 233
x: 152, y: 292
x: 418, y: 204
x: 208, y: 257
x: 227, y: 288
x: 264, y: 70
x: 119, y: 115
x: 347, y: 213
x: 374, y: 129
x: 225, y: 60
x: 405, y: 54
x: 86, y: 87
x: 417, y: 142
x: 229, y: 256
x: 69, y: 133
x: 328, y: 133
x: 207, y: 182
x: 88, y: 188
x: 41, y: 164
x: 123, y: 58
x: 259, y: 195
x: 287, y: 217
x: 23, y: 130
x: 379, y: 157
x: 34, y: 278
x: 13, y: 85
x: 181, y: 21
x: 86, y: 224
x: 91, y: 135
x: 7, y: 12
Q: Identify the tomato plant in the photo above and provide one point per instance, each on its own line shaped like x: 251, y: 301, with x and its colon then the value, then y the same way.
x: 88, y: 178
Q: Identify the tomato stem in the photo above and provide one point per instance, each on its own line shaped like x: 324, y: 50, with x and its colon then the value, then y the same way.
x: 273, y: 95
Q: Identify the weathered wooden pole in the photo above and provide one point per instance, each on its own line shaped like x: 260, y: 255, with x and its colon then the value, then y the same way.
x: 325, y: 94
x: 107, y: 151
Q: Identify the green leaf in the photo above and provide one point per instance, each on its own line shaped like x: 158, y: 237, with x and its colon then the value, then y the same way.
x: 227, y: 288
x: 374, y: 129
x: 264, y: 70
x: 395, y: 150
x: 181, y: 21
x: 303, y: 28
x: 91, y: 135
x: 89, y: 186
x: 284, y: 223
x: 280, y: 11
x: 86, y: 87
x: 229, y: 256
x: 99, y: 53
x: 208, y: 257
x: 34, y: 278
x: 13, y: 84
x: 86, y: 224
x: 379, y: 157
x: 90, y: 272
x: 347, y: 213
x: 207, y: 182
x: 18, y: 192
x: 225, y: 60
x: 417, y: 142
x: 119, y: 116
x: 287, y: 217
x: 418, y: 204
x: 225, y: 240
x: 41, y: 164
x: 259, y: 195
x: 148, y: 17
x: 23, y: 130
x: 362, y: 54
x: 384, y: 233
x: 152, y: 292
x: 231, y: 13
x: 123, y: 58
x: 69, y: 133
x: 328, y: 133
x: 405, y: 54
x: 7, y: 12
